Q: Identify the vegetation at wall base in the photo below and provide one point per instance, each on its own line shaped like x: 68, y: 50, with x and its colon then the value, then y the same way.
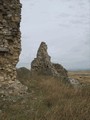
x: 48, y: 99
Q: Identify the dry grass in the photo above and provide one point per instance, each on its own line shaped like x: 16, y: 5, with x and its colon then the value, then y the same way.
x: 49, y: 99
x: 63, y: 102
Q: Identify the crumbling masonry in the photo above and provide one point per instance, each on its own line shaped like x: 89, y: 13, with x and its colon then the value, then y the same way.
x: 10, y: 43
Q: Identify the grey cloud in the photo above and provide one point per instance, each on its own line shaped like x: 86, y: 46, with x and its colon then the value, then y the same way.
x: 65, y: 29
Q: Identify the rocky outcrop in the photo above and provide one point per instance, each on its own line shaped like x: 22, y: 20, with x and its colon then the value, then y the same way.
x: 23, y: 74
x: 74, y: 82
x: 10, y: 43
x: 42, y: 64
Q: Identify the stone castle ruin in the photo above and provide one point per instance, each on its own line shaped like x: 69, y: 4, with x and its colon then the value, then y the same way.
x: 10, y: 43
x: 42, y: 65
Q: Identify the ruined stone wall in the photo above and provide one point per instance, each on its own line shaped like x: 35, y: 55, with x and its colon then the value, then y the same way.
x: 10, y: 47
x: 10, y: 43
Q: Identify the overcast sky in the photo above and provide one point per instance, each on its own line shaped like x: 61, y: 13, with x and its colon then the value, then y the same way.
x: 63, y: 24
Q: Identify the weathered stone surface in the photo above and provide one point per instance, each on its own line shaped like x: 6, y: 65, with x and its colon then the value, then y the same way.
x: 61, y: 70
x: 10, y: 43
x: 12, y: 88
x: 42, y: 64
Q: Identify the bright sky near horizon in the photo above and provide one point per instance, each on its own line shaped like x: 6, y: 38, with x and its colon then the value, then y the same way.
x: 63, y: 24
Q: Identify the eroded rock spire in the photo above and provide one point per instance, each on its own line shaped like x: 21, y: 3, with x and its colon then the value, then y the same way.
x: 42, y: 64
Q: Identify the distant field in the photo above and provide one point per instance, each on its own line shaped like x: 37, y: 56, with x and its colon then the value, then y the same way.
x: 82, y: 76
